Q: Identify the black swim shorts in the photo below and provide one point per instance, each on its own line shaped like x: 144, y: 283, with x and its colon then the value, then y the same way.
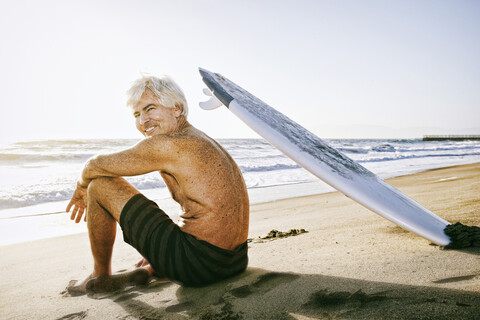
x: 173, y: 253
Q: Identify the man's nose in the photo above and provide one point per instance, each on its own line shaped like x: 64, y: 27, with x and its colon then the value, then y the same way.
x: 143, y: 118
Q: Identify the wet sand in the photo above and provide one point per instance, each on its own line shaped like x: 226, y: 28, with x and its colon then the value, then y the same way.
x: 350, y: 264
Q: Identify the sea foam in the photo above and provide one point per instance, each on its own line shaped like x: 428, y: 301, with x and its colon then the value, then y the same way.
x: 36, y: 172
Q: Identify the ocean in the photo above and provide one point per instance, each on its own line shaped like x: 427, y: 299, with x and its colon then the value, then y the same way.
x: 37, y: 178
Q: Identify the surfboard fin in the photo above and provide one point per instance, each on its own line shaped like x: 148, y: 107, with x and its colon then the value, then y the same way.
x: 212, y: 103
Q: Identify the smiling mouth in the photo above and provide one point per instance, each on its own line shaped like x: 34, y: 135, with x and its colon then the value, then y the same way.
x: 149, y: 129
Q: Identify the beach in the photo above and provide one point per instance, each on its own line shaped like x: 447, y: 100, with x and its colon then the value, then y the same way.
x: 350, y: 264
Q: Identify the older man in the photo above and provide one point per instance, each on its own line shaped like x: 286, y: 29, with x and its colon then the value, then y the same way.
x: 210, y: 242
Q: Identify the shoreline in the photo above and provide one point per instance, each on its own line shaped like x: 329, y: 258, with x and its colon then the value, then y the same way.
x: 351, y: 264
x: 44, y: 225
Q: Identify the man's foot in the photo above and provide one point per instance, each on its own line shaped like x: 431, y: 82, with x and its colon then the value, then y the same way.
x: 116, y: 282
x: 76, y: 288
x: 106, y: 283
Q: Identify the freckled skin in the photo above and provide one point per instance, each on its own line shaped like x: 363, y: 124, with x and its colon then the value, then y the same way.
x: 209, y: 186
x: 200, y: 175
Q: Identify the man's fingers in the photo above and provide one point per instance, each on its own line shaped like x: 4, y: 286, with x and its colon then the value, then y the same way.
x: 74, y: 213
x: 141, y: 263
x: 79, y: 218
x: 79, y: 215
x: 69, y: 206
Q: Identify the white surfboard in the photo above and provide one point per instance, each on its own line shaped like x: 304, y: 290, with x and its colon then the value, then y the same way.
x: 325, y: 162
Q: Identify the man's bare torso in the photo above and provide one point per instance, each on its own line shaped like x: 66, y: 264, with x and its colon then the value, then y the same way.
x: 209, y: 187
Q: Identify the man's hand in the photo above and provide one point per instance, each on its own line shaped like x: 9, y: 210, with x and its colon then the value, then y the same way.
x: 79, y: 203
x: 145, y: 265
x: 142, y: 263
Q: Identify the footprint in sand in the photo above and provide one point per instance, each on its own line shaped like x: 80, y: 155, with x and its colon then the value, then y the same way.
x: 74, y: 316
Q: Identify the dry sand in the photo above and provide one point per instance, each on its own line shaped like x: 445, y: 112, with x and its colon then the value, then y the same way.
x: 352, y: 264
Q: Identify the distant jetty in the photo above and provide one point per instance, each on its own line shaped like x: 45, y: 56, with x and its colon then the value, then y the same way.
x: 451, y: 137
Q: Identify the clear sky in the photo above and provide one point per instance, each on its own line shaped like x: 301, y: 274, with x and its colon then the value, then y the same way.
x: 340, y: 68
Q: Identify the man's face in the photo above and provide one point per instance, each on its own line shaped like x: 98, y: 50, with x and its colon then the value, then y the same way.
x: 151, y: 118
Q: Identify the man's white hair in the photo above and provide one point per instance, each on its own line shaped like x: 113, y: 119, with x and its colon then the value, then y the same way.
x: 165, y: 89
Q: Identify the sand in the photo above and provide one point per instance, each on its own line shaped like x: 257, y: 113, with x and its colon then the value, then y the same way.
x: 351, y: 264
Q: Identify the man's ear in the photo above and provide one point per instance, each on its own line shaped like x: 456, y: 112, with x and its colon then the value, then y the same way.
x: 178, y: 109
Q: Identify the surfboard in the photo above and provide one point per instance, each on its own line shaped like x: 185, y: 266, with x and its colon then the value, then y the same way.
x: 322, y: 160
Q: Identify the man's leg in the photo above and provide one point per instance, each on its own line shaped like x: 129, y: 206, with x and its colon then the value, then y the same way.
x: 106, y: 199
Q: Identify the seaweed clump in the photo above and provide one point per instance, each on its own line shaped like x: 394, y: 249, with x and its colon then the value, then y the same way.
x: 275, y: 234
x: 462, y: 236
x: 279, y: 234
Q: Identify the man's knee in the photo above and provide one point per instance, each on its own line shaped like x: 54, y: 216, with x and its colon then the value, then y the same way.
x: 101, y: 184
x: 108, y: 188
x: 111, y: 193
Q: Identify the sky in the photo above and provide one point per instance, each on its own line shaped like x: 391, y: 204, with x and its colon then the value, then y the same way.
x: 342, y: 69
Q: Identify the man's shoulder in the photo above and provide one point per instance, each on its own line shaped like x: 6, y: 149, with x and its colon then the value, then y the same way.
x: 190, y: 138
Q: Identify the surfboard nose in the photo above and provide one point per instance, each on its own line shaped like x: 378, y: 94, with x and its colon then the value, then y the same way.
x: 211, y: 80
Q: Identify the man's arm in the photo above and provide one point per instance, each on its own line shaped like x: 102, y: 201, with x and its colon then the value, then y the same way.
x: 151, y: 154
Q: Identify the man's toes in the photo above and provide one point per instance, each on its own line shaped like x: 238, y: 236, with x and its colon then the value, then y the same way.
x: 73, y: 289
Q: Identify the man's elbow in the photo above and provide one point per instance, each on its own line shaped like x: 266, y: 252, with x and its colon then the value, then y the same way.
x: 90, y: 170
x: 99, y: 166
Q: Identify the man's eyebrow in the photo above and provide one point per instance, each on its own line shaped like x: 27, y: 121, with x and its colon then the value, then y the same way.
x: 144, y: 108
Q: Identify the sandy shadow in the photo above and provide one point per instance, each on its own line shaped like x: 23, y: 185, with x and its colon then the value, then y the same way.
x: 262, y: 294
x: 473, y: 250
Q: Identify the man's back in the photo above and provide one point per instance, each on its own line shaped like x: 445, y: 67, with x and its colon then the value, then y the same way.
x: 209, y: 186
